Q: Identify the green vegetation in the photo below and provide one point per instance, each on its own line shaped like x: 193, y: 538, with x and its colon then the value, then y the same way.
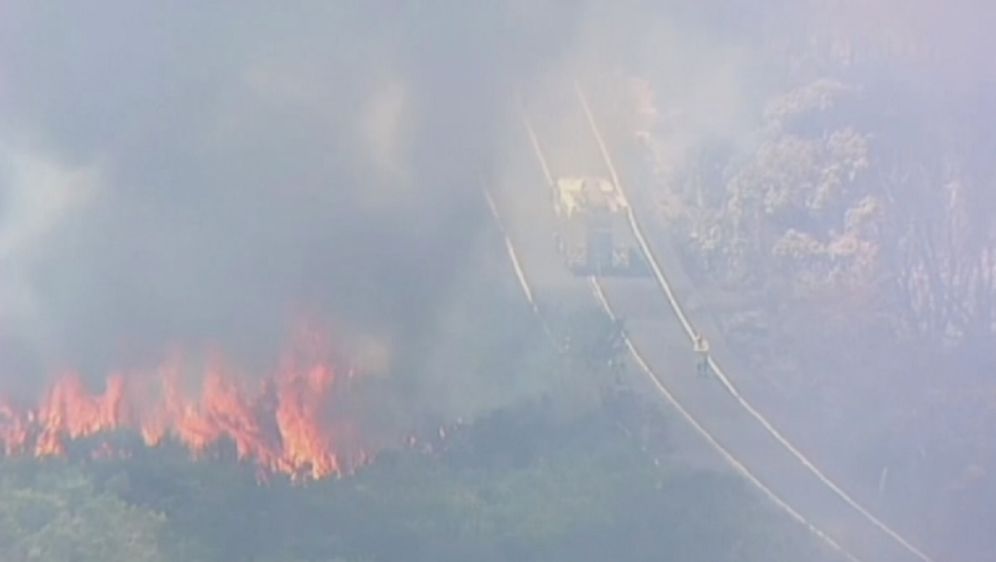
x: 516, y: 485
x: 59, y: 515
x: 577, y: 474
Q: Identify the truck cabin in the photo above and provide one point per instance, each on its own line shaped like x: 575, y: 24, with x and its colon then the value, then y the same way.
x: 593, y: 234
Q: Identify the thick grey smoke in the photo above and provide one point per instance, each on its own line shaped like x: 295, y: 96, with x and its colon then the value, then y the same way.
x: 179, y: 174
x: 174, y: 173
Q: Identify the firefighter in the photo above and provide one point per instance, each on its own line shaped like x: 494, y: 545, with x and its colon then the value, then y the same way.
x: 702, y: 349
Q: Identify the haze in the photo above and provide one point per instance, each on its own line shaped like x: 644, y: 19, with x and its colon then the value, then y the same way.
x: 815, y: 177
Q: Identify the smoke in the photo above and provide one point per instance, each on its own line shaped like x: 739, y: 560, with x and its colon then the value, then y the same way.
x: 174, y: 175
x: 39, y: 196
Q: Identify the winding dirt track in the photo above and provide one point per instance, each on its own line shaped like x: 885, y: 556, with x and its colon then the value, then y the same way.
x: 658, y: 336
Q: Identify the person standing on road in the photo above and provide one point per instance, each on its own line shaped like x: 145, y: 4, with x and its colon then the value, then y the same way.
x: 702, y: 349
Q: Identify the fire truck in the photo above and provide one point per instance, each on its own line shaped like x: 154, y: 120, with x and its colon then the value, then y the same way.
x: 593, y: 234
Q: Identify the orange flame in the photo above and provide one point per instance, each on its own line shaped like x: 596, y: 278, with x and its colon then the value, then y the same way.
x: 70, y: 411
x: 282, y: 427
x: 13, y: 430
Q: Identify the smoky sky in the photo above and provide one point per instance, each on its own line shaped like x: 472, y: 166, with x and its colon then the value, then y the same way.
x: 216, y: 173
x: 174, y: 172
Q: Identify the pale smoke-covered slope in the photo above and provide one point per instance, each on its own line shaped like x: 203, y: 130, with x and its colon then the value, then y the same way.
x: 844, y: 207
x: 852, y: 214
x: 865, y: 166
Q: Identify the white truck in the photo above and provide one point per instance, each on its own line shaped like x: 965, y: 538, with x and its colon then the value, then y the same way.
x: 593, y: 234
